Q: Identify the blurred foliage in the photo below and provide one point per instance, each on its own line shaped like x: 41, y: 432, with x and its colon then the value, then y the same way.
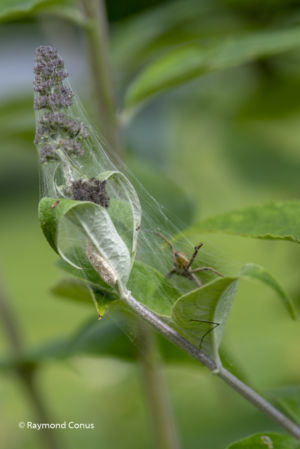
x: 287, y: 399
x: 267, y: 221
x: 193, y: 60
x: 263, y: 440
x: 217, y: 142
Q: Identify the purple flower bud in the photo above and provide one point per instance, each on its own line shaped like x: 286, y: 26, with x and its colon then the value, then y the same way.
x: 56, y: 131
x: 48, y: 154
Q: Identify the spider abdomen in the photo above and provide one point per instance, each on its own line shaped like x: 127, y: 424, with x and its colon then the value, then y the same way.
x: 181, y: 260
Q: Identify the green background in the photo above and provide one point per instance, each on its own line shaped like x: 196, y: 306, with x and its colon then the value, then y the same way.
x: 222, y: 141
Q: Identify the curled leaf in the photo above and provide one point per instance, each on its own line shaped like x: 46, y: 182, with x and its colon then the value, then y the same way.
x: 253, y: 271
x: 69, y: 224
x: 127, y: 190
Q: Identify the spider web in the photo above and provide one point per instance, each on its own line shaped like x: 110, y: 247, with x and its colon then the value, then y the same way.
x: 151, y: 249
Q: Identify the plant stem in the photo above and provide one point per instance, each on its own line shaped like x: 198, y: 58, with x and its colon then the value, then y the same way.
x: 9, y: 324
x: 162, y: 416
x: 24, y: 372
x: 104, y: 96
x: 199, y: 355
x: 29, y: 382
x: 97, y: 41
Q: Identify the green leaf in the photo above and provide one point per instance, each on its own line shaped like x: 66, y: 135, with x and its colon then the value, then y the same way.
x: 288, y: 399
x: 100, y: 338
x: 105, y: 338
x: 20, y: 9
x: 86, y: 272
x: 274, y: 220
x: 254, y: 271
x: 147, y: 284
x: 201, y: 315
x: 72, y: 289
x: 16, y: 119
x: 266, y: 441
x: 162, y: 26
x: 123, y: 185
x: 113, y: 338
x: 152, y: 289
x: 190, y: 61
x: 68, y: 223
x: 15, y: 8
x: 158, y: 294
x: 212, y: 303
x: 80, y: 291
x: 51, y: 211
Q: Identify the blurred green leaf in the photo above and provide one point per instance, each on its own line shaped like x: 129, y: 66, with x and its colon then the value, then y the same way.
x: 17, y: 119
x: 103, y: 338
x: 18, y: 9
x: 76, y: 290
x: 116, y: 339
x: 253, y: 155
x: 276, y: 96
x: 14, y: 8
x: 274, y: 220
x: 257, y: 272
x: 169, y: 192
x: 72, y: 289
x: 257, y: 7
x: 266, y: 441
x: 110, y: 337
x: 288, y: 399
x: 51, y: 350
x: 190, y: 61
x: 164, y: 26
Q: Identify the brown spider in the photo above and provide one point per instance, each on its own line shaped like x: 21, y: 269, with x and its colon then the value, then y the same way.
x: 183, y: 265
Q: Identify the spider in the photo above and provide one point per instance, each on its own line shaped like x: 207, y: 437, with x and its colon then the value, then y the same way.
x: 183, y: 267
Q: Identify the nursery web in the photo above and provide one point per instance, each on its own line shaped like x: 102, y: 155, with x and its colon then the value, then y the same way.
x: 151, y: 248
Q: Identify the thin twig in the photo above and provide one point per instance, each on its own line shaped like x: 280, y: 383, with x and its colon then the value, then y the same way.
x: 199, y: 355
x: 162, y: 416
x: 25, y: 373
x: 9, y: 324
x: 97, y: 43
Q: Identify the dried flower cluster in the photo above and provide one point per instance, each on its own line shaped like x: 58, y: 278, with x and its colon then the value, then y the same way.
x: 56, y: 131
x: 90, y: 190
x: 59, y: 135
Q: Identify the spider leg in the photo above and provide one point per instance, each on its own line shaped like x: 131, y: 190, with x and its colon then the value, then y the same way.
x: 196, y: 270
x: 171, y: 273
x: 194, y: 255
x: 168, y: 242
x: 194, y: 278
x: 215, y: 325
